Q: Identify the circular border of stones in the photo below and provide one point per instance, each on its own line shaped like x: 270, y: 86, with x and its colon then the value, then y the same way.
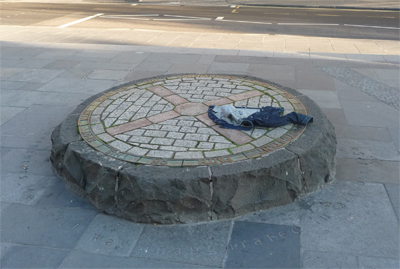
x: 168, y: 194
x: 88, y: 135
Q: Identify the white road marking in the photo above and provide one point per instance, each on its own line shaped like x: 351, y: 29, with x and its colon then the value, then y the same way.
x: 219, y: 18
x: 141, y: 15
x: 366, y: 26
x: 134, y: 5
x: 255, y: 22
x: 233, y: 6
x: 319, y: 24
x: 328, y: 15
x: 81, y: 20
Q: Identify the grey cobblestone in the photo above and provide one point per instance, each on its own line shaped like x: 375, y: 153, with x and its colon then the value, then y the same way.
x: 205, y: 145
x: 120, y: 145
x: 106, y: 137
x: 109, y: 121
x: 162, y: 141
x: 261, y: 141
x: 223, y: 145
x: 148, y: 146
x: 140, y: 139
x: 277, y: 132
x: 118, y: 122
x: 172, y: 128
x: 172, y: 148
x: 196, y: 137
x: 186, y: 129
x: 189, y: 155
x: 257, y: 132
x: 94, y: 119
x: 98, y: 129
x: 138, y: 151
x: 185, y: 143
x: 123, y: 137
x: 242, y: 148
x: 217, y: 153
x: 154, y: 133
x: 136, y: 132
x: 175, y: 135
x: 160, y: 154
x: 185, y: 123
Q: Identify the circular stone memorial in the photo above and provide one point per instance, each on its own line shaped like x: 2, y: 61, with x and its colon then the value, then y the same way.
x: 148, y: 152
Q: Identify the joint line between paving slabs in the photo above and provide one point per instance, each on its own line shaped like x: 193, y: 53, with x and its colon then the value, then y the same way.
x: 227, y: 243
x: 211, y: 191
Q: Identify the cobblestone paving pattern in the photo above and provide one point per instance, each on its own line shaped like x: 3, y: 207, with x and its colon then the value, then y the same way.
x: 380, y: 91
x: 167, y: 118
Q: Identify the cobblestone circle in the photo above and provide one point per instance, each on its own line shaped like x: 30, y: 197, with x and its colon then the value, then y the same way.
x: 165, y: 121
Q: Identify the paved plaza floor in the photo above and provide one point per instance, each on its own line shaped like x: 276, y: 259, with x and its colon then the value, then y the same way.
x: 352, y: 223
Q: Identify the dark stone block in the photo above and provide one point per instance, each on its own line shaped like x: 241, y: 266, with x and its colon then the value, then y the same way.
x: 259, y: 245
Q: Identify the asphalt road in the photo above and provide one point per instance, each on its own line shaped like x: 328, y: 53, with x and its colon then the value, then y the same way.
x: 367, y: 24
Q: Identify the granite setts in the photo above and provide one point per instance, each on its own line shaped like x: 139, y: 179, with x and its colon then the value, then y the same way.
x: 206, y: 190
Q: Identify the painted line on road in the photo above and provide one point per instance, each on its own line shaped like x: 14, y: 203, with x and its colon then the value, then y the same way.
x: 366, y: 26
x: 311, y: 24
x: 327, y: 15
x: 219, y: 18
x: 254, y: 22
x: 78, y: 21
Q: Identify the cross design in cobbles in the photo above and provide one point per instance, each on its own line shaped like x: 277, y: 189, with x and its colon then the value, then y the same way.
x: 166, y: 119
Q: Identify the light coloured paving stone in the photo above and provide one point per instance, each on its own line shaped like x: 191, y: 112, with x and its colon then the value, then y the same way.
x: 148, y: 146
x: 196, y: 137
x: 378, y: 262
x: 241, y: 148
x: 175, y: 135
x: 120, y: 145
x: 185, y: 143
x: 140, y: 139
x: 109, y: 121
x: 367, y: 150
x: 258, y: 132
x: 152, y: 127
x: 160, y: 154
x: 98, y: 129
x: 153, y: 133
x: 162, y: 141
x: 205, y: 145
x: 171, y: 128
x: 218, y: 139
x: 261, y: 141
x: 138, y: 151
x: 172, y: 148
x: 186, y: 129
x: 277, y: 132
x: 217, y: 153
x: 123, y: 137
x: 189, y: 155
x: 222, y: 145
x: 106, y: 137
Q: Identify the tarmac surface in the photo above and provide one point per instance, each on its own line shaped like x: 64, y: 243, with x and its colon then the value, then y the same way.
x: 352, y: 223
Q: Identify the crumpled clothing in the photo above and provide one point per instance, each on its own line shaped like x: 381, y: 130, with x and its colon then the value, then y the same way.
x: 246, y: 118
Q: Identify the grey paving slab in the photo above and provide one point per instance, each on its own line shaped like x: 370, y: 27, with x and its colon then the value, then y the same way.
x: 274, y: 72
x: 188, y: 68
x: 325, y: 99
x: 393, y: 192
x: 57, y: 54
x: 33, y: 257
x: 58, y: 196
x: 282, y: 215
x: 7, y: 72
x: 395, y: 134
x: 21, y: 98
x: 365, y: 84
x: 311, y: 78
x: 44, y: 226
x: 367, y: 150
x: 76, y: 72
x: 201, y: 244
x: 79, y: 259
x: 172, y: 58
x: 130, y: 57
x: 108, y: 74
x: 335, y: 116
x: 355, y: 218
x: 27, y: 162
x: 24, y: 189
x: 4, y: 151
x: 42, y: 142
x: 34, y: 63
x: 61, y: 98
x: 347, y: 92
x: 95, y: 55
x: 362, y: 133
x: 7, y: 113
x: 260, y: 245
x: 154, y: 67
x: 31, y: 86
x: 36, y: 75
x: 365, y: 113
x: 11, y: 85
x: 367, y: 170
x: 315, y: 259
x: 4, y: 247
x: 71, y: 85
x: 377, y: 262
x: 206, y: 59
x: 228, y: 68
x: 106, y: 66
x: 110, y: 236
x: 139, y: 74
x: 61, y: 64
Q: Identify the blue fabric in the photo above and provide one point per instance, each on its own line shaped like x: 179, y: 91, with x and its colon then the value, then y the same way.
x: 268, y: 116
